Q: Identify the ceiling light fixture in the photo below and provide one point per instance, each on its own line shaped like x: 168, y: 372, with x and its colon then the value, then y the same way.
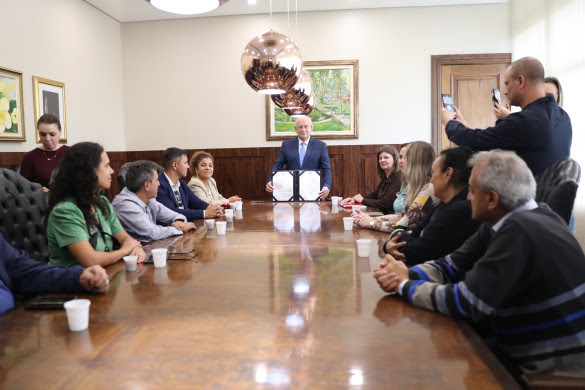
x: 187, y: 7
x: 298, y: 96
x: 271, y: 63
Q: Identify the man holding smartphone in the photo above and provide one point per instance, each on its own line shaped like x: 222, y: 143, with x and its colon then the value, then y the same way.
x: 19, y: 274
x: 540, y: 134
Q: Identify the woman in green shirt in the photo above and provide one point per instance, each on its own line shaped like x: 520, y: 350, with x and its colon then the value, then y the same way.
x: 82, y: 227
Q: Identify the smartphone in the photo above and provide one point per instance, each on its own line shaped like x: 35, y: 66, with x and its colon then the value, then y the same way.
x: 496, y: 96
x: 448, y: 103
x: 47, y: 303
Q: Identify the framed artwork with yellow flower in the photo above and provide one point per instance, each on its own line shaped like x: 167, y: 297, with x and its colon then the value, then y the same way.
x: 11, y: 106
x: 49, y: 98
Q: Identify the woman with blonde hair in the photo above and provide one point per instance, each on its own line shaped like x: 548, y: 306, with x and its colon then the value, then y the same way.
x: 420, y: 198
x: 390, y: 181
x: 202, y: 183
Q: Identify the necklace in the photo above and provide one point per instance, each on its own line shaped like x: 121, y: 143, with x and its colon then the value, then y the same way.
x: 50, y: 158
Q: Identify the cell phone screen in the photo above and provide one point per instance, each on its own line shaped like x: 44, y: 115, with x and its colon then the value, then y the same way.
x: 448, y: 102
x: 496, y: 96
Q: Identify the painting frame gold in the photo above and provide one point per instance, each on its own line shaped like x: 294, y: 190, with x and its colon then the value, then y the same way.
x: 11, y: 106
x: 53, y: 96
x: 340, y: 125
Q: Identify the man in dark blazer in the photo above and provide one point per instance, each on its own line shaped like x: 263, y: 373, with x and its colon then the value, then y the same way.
x: 175, y: 194
x: 314, y: 151
x: 19, y: 274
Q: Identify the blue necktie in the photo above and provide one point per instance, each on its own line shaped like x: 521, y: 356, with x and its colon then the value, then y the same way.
x: 302, y: 153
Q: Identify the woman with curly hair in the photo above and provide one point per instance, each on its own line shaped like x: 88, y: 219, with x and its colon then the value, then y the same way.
x: 81, y: 225
x: 202, y: 183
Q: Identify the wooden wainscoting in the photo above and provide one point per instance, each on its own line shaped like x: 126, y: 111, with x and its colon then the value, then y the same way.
x: 244, y: 171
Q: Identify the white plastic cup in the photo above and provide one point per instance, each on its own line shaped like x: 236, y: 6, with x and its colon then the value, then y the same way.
x: 335, y: 200
x: 363, y: 245
x: 229, y: 215
x: 233, y: 206
x: 131, y: 263
x: 363, y: 208
x: 77, y: 314
x: 159, y: 255
x: 210, y: 223
x: 238, y: 205
x: 354, y: 208
x: 347, y: 223
x: 221, y: 227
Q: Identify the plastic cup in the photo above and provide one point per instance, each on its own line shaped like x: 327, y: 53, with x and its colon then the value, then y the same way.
x: 347, y: 223
x: 229, y: 215
x: 131, y: 262
x: 210, y: 223
x: 238, y: 205
x: 221, y: 227
x: 335, y: 200
x: 233, y: 206
x: 363, y: 208
x: 159, y: 255
x: 77, y: 314
x: 355, y: 208
x: 363, y: 245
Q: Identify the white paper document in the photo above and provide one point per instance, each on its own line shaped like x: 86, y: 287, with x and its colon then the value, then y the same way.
x: 309, y: 185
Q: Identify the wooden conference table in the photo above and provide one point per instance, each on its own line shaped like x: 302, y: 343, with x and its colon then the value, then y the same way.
x: 281, y: 301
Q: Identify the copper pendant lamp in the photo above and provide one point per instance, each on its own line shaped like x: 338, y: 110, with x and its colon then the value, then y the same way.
x: 305, y: 110
x: 187, y: 7
x: 271, y: 63
x: 298, y: 96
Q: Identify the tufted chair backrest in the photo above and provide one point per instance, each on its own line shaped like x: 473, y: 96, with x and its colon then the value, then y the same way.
x: 124, y: 168
x: 557, y: 186
x: 23, y: 206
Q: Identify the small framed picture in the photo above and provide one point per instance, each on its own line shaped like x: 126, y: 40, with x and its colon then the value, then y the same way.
x: 49, y: 98
x: 11, y: 106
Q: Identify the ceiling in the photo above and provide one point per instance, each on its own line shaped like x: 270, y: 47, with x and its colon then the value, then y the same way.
x: 141, y: 10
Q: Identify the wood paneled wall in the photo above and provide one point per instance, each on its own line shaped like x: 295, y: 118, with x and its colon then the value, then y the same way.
x: 244, y: 171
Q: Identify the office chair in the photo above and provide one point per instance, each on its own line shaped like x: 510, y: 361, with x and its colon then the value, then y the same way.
x: 23, y: 206
x: 124, y: 168
x: 557, y: 186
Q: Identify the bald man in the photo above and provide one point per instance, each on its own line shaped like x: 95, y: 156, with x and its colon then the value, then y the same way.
x: 314, y: 151
x: 540, y: 134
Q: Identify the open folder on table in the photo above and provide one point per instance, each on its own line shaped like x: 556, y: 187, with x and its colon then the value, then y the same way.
x: 296, y: 186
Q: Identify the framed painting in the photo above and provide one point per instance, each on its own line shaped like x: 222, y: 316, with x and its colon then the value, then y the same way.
x: 335, y: 115
x: 49, y: 98
x: 11, y: 106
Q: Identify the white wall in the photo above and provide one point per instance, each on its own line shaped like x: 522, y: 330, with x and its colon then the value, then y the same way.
x: 141, y: 86
x: 554, y: 32
x: 183, y: 85
x: 72, y: 42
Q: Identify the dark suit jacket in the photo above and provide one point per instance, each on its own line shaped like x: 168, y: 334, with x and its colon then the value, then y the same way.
x: 193, y: 206
x: 540, y: 134
x: 25, y: 276
x: 316, y: 157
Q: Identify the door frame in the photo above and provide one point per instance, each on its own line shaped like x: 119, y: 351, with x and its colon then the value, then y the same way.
x: 437, y: 61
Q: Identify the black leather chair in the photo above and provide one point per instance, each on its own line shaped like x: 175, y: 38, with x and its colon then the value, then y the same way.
x: 124, y: 168
x: 557, y: 186
x: 23, y: 206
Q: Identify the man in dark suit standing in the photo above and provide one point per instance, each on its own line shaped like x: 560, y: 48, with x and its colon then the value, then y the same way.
x: 175, y: 194
x: 305, y: 153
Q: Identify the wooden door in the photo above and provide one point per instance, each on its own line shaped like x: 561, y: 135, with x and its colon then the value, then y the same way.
x: 470, y: 79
